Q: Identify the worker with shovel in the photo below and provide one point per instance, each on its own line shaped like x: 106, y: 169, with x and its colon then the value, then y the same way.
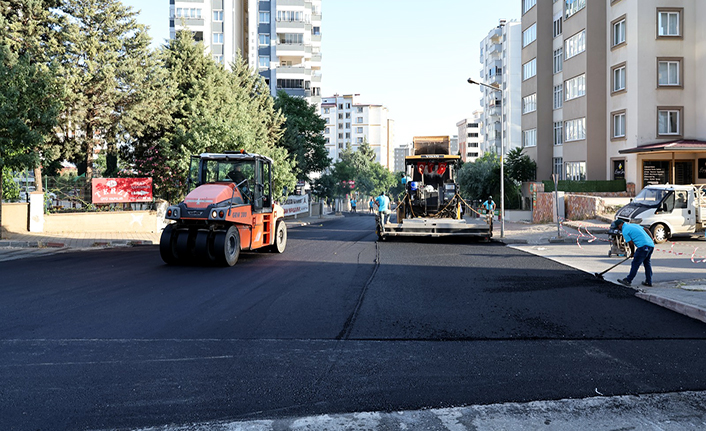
x: 641, y: 243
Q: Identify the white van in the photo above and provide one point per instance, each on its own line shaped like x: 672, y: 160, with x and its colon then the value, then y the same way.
x: 668, y: 210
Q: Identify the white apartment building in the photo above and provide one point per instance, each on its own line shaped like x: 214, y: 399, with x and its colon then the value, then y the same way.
x: 349, y: 123
x: 469, y: 137
x: 400, y: 154
x: 281, y: 39
x: 500, y: 58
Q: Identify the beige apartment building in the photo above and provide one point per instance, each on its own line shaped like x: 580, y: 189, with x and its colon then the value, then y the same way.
x: 611, y: 89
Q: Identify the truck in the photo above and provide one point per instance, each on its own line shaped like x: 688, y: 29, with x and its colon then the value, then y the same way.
x: 431, y: 205
x: 229, y: 208
x: 668, y: 210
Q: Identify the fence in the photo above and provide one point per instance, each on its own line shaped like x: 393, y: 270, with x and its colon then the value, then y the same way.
x: 74, y: 194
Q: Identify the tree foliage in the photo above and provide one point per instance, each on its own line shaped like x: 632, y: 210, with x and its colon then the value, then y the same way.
x: 211, y: 110
x: 480, y: 179
x: 520, y: 167
x: 303, y: 136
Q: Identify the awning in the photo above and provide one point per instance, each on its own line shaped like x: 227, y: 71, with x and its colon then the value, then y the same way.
x: 680, y: 146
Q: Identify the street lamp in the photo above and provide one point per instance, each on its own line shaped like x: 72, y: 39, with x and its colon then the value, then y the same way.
x: 502, y: 153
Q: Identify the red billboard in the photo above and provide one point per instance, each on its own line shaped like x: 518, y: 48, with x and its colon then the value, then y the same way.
x: 116, y: 190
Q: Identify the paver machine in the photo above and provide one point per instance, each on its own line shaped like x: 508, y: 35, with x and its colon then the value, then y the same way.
x: 431, y: 205
x: 229, y: 208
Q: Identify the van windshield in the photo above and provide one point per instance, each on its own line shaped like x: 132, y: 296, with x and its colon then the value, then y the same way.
x: 650, y: 197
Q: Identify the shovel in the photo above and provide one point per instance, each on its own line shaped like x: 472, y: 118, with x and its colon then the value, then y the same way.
x: 600, y: 274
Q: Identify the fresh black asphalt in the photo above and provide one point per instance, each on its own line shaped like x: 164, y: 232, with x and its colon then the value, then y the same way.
x: 338, y: 323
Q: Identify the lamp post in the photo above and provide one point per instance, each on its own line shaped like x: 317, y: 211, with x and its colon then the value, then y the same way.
x: 502, y: 153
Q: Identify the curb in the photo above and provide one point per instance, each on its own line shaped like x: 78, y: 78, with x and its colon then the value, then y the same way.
x: 677, y: 306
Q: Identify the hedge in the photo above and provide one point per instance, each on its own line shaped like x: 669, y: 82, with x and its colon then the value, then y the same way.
x: 587, y: 186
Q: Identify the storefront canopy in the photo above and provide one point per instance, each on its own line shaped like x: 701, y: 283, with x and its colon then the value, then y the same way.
x: 680, y: 146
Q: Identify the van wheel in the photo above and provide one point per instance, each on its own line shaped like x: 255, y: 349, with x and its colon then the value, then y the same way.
x: 660, y: 233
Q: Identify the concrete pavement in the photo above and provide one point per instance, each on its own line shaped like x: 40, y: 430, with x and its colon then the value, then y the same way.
x: 679, y: 281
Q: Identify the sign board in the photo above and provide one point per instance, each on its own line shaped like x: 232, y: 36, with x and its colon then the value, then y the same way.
x: 117, y: 190
x: 701, y: 169
x: 618, y: 169
x: 655, y: 172
x: 296, y: 205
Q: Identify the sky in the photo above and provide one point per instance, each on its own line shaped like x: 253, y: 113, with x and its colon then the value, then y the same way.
x: 411, y: 56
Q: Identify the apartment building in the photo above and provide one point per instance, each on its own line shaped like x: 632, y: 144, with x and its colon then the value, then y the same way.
x: 349, y: 123
x: 281, y: 39
x: 501, y: 67
x: 469, y: 137
x: 563, y: 126
x: 400, y: 153
x: 656, y: 110
x: 627, y: 101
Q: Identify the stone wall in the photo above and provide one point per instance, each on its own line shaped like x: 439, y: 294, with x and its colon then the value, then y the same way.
x: 543, y: 211
x: 582, y: 207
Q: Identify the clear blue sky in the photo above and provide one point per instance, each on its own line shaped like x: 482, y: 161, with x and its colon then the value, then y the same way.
x: 412, y: 56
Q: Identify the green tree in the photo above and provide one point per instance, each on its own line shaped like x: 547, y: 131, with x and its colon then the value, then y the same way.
x: 520, y: 167
x: 481, y: 179
x: 303, y: 136
x: 109, y: 72
x: 211, y: 109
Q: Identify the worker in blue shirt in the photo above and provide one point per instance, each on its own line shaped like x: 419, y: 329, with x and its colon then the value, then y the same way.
x: 642, y: 244
x: 383, y: 203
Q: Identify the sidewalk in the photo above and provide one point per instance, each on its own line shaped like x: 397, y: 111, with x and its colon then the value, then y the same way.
x: 679, y: 268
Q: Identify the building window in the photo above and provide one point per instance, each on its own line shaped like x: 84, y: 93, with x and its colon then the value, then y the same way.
x: 669, y: 121
x: 558, y: 167
x: 529, y: 69
x: 619, y: 31
x: 217, y: 15
x: 618, y: 125
x: 618, y: 78
x: 558, y: 133
x: 529, y: 138
x: 359, y: 130
x: 218, y: 59
x: 359, y: 109
x: 575, y: 45
x: 558, y: 96
x: 575, y: 130
x: 359, y: 140
x: 327, y: 110
x: 557, y: 25
x: 576, y: 171
x: 669, y: 72
x: 264, y: 17
x: 527, y: 5
x: 558, y: 60
x: 264, y: 39
x: 359, y: 120
x: 573, y: 6
x: 264, y: 62
x: 529, y: 103
x: 529, y: 35
x: 669, y: 22
x: 575, y: 87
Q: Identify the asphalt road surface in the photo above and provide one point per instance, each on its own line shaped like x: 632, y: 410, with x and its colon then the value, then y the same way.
x: 338, y: 323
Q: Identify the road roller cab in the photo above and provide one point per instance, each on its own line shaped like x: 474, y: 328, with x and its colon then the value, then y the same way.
x: 229, y: 208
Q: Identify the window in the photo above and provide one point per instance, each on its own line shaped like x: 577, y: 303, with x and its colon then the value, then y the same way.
x: 573, y: 6
x: 264, y: 17
x: 217, y: 15
x: 327, y: 110
x: 359, y: 120
x: 529, y: 138
x: 218, y: 59
x: 558, y: 60
x: 529, y: 35
x: 575, y: 45
x: 179, y: 12
x: 618, y: 125
x: 264, y: 39
x: 527, y: 5
x: 529, y: 103
x: 619, y: 32
x: 359, y: 130
x: 359, y: 109
x: 668, y: 22
x: 557, y: 26
x: 558, y: 96
x: 575, y: 87
x: 340, y: 116
x: 359, y: 140
x: 218, y: 38
x: 529, y: 69
x: 558, y: 167
x: 618, y: 78
x: 669, y: 72
x: 575, y: 130
x: 668, y: 121
x: 264, y: 62
x: 576, y: 171
x: 558, y: 133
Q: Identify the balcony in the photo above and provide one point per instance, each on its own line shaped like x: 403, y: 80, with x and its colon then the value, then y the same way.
x: 494, y: 49
x: 315, y: 78
x: 316, y: 38
x: 301, y: 3
x: 293, y: 70
x: 495, y: 34
x: 291, y: 50
x: 287, y: 26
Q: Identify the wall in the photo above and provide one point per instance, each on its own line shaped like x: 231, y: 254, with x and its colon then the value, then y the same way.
x: 14, y: 217
x: 122, y: 222
x: 544, y: 208
x: 582, y: 207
